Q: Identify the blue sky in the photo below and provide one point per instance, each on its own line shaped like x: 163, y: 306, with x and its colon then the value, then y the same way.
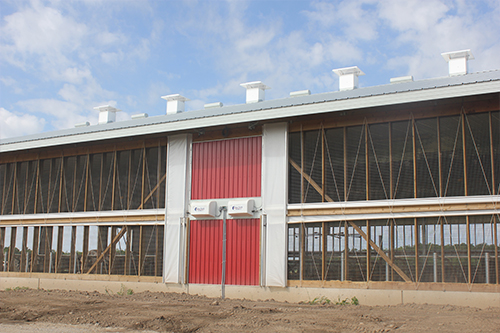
x: 61, y: 58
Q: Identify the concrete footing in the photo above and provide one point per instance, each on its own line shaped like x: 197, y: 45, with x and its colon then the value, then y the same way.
x: 369, y: 297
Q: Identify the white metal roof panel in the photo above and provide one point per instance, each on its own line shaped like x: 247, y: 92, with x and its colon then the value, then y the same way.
x: 389, y: 94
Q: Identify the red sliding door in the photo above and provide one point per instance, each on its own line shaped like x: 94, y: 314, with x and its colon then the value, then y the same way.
x: 225, y: 169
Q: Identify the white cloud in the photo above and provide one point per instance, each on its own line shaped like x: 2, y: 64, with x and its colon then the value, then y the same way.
x: 13, y: 125
x: 428, y: 28
x: 12, y: 83
x: 40, y: 32
x: 355, y: 18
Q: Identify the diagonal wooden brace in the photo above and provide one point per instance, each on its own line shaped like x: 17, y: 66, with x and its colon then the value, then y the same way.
x: 113, y: 243
x: 309, y: 180
x: 380, y: 252
x: 358, y: 229
x: 153, y: 191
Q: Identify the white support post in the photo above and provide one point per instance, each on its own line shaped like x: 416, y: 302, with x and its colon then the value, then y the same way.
x: 177, y: 189
x: 274, y: 200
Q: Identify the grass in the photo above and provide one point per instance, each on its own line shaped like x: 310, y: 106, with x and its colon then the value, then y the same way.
x: 17, y: 288
x: 325, y: 301
x: 124, y: 291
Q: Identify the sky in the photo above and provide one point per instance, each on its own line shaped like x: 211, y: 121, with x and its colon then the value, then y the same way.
x: 59, y: 59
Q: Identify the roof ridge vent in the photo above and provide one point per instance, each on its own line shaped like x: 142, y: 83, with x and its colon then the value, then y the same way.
x: 300, y: 93
x: 457, y: 61
x: 85, y: 124
x: 139, y: 116
x: 402, y: 79
x: 213, y: 105
x: 348, y: 77
x: 255, y: 91
x: 175, y: 103
x: 107, y: 114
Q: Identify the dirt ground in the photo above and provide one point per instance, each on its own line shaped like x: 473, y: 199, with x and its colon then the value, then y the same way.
x: 28, y: 310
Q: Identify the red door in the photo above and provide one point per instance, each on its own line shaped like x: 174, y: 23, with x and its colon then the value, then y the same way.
x: 225, y: 169
x: 242, y: 257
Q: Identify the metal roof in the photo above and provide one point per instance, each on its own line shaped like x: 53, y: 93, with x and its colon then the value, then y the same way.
x: 388, y: 94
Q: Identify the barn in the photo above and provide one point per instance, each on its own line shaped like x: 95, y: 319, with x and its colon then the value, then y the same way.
x: 388, y: 193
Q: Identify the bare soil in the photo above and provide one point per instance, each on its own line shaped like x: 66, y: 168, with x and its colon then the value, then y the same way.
x: 28, y: 310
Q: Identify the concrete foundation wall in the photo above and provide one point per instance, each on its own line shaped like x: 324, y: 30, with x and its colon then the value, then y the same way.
x: 369, y: 297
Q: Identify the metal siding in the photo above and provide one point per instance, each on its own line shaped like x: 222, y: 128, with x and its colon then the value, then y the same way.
x: 243, y: 252
x: 242, y: 257
x: 226, y: 168
x: 205, y: 249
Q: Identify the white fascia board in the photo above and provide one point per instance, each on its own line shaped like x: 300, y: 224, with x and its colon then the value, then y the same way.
x: 495, y: 199
x: 268, y: 114
x: 386, y: 216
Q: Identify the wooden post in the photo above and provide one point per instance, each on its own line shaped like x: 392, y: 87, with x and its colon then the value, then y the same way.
x: 367, y: 194
x: 345, y: 162
x: 495, y: 228
x: 85, y: 248
x: 102, y: 243
x: 415, y: 195
x: 323, y: 250
x: 48, y: 248
x: 112, y: 251
x: 101, y: 199
x: 35, y: 252
x: 368, y: 250
x: 26, y: 194
x: 2, y: 201
x: 141, y: 250
x: 302, y: 249
x: 443, y: 274
x: 86, y: 194
x: 440, y: 165
x: 14, y: 192
x: 129, y: 180
x: 492, y: 154
x: 323, y: 180
x: 73, y: 197
x: 346, y: 251
x: 114, y: 184
x: 392, y: 246
x: 143, y: 172
x: 302, y: 193
x: 61, y: 178
x: 22, y: 266
x: 467, y: 221
x: 60, y: 237
x: 72, y: 251
x: 391, y: 175
x: 38, y: 185
x: 417, y: 247
x: 47, y: 207
x: 2, y: 247
x: 127, y: 251
x: 12, y: 249
x: 158, y: 175
x: 156, y: 229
